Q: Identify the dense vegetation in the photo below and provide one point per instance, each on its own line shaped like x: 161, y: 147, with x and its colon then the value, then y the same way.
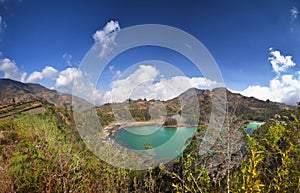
x: 170, y: 122
x: 44, y: 153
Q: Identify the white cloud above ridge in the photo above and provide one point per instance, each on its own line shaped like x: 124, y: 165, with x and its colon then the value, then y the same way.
x: 146, y: 82
x: 284, y: 88
x: 11, y: 71
x: 66, y: 78
x: 64, y: 82
x: 47, y: 73
x: 84, y: 87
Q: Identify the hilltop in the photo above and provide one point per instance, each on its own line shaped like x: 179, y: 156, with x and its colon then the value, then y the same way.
x: 243, y: 108
x: 15, y: 92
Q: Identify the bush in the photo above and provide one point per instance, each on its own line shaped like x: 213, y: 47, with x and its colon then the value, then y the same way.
x: 170, y: 122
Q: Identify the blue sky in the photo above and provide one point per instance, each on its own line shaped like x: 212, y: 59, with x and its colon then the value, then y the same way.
x: 50, y: 39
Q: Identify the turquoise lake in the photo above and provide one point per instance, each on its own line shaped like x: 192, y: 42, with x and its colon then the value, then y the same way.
x: 167, y: 142
x: 252, y: 126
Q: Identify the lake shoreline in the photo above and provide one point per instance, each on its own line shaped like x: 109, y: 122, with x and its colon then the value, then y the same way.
x: 113, y: 128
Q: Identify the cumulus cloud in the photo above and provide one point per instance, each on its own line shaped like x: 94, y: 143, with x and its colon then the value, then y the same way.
x: 166, y: 89
x: 66, y: 78
x: 280, y: 63
x: 146, y: 82
x: 84, y: 87
x: 47, y: 73
x: 122, y: 88
x: 283, y: 88
x: 10, y: 70
x: 106, y: 37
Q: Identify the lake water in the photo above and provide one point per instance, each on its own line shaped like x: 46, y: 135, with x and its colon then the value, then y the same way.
x: 252, y: 126
x: 167, y: 142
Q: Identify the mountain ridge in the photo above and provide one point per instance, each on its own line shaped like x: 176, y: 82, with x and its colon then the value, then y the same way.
x: 245, y: 107
x: 12, y: 91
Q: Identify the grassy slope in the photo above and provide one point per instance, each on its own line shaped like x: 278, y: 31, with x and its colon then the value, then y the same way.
x: 41, y: 153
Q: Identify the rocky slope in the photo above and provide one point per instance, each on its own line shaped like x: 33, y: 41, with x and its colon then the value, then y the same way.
x: 15, y: 92
x: 196, y: 102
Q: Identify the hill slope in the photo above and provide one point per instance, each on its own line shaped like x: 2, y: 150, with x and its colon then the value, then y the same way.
x: 239, y: 106
x: 14, y: 92
x: 244, y: 108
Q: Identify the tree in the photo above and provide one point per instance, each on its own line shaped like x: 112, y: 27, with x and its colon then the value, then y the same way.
x: 170, y: 122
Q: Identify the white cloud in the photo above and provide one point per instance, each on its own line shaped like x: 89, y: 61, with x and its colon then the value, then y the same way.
x: 10, y: 70
x: 84, y: 87
x: 48, y: 73
x: 280, y: 63
x: 293, y: 15
x: 106, y: 36
x: 111, y: 69
x: 66, y: 78
x: 166, y: 89
x: 283, y: 88
x: 122, y: 88
x: 67, y: 58
x: 146, y: 82
x: 34, y: 77
x: 294, y: 12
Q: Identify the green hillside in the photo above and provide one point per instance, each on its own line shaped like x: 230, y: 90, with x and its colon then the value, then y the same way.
x: 41, y: 153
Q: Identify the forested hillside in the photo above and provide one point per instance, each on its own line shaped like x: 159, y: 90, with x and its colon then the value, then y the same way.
x: 41, y: 153
x: 41, y: 150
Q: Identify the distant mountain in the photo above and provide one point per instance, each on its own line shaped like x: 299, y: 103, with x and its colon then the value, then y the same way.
x: 13, y: 92
x: 244, y: 108
x: 190, y: 107
x: 195, y: 102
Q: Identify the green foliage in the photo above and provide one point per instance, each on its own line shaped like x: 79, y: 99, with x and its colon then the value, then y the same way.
x: 105, y: 117
x: 170, y: 122
x: 273, y: 164
x: 192, y: 178
x: 148, y: 146
x: 250, y: 174
x: 41, y: 153
x: 27, y: 167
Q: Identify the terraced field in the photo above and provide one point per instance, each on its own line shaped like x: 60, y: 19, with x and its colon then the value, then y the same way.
x: 32, y: 106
